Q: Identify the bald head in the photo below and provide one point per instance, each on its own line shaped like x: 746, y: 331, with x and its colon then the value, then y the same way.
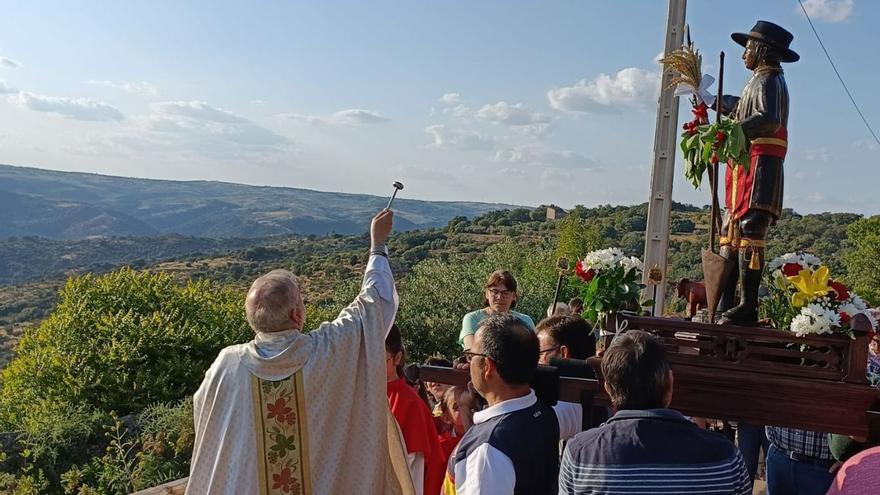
x: 274, y: 303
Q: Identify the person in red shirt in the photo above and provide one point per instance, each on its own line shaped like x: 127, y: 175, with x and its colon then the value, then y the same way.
x: 695, y: 295
x: 424, y: 453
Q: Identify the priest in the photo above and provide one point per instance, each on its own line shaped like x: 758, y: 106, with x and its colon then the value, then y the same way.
x: 304, y: 413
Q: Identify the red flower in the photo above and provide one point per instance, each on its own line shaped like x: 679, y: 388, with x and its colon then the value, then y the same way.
x: 280, y: 410
x: 720, y: 136
x: 840, y: 289
x: 791, y: 269
x: 585, y: 275
x: 701, y: 111
x: 844, y: 318
x: 283, y: 480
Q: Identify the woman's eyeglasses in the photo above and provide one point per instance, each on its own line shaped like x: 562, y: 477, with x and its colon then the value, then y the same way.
x: 500, y: 292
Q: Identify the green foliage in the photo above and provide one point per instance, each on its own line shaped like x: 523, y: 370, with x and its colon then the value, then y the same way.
x: 578, y: 236
x: 611, y: 289
x: 160, y: 453
x: 120, y: 342
x: 862, y: 260
x: 437, y: 294
x: 700, y: 148
x: 682, y: 226
x: 823, y: 234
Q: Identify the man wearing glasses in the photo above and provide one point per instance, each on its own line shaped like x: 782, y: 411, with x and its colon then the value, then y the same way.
x: 512, y: 446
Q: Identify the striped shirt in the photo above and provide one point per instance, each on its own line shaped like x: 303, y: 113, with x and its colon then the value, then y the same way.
x: 655, y: 451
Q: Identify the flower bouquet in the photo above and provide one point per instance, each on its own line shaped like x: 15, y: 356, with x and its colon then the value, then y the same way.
x: 612, y: 282
x: 702, y: 143
x: 804, y: 299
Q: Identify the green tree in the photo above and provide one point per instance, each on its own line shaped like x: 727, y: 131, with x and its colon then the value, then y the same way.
x: 120, y: 342
x: 577, y: 237
x: 862, y: 259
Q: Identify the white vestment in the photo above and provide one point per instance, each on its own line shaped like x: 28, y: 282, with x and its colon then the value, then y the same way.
x: 304, y: 413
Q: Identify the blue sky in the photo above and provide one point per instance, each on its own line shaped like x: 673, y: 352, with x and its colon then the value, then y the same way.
x: 510, y: 101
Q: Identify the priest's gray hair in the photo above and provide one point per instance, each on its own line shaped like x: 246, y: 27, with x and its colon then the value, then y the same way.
x: 270, y: 300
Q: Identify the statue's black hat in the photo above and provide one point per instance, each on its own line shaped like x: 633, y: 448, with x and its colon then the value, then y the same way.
x: 771, y: 34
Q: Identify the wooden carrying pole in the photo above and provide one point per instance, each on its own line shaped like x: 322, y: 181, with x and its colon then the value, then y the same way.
x: 716, y: 268
x: 714, y: 172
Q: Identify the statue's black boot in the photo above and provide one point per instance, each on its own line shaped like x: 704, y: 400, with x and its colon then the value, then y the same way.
x: 746, y: 313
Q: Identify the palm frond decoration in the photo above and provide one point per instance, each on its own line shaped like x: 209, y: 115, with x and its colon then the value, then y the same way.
x: 687, y: 63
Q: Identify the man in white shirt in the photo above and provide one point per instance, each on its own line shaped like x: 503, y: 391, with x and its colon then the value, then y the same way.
x: 512, y: 447
x: 566, y: 337
x: 303, y: 413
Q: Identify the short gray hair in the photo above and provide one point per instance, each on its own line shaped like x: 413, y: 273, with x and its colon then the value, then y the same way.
x: 270, y: 300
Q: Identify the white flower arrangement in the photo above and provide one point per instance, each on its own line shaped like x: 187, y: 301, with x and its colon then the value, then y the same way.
x: 602, y: 259
x: 805, y: 299
x: 805, y: 260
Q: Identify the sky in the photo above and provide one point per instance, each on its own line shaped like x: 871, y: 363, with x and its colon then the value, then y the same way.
x: 520, y: 102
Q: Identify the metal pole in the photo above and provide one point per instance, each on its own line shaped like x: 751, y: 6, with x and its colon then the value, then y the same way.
x: 663, y: 167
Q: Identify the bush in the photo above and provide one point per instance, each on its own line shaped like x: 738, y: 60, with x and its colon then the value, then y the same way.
x: 120, y: 342
x: 862, y: 259
x: 682, y: 226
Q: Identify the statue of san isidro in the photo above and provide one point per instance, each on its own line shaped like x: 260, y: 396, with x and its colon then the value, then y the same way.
x: 753, y: 197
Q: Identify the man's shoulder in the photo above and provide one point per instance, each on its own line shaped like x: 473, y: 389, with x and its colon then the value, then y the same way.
x: 682, y: 436
x: 229, y: 357
x: 524, y: 426
x: 524, y: 318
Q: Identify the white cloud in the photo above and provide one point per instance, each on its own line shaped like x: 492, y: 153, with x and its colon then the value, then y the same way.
x: 357, y: 116
x: 629, y: 88
x: 828, y: 10
x: 183, y: 128
x: 538, y: 157
x: 515, y: 114
x: 353, y: 117
x: 8, y: 62
x: 816, y: 196
x: 72, y: 108
x: 258, y: 102
x: 817, y: 154
x: 6, y: 89
x: 866, y: 144
x: 196, y: 111
x: 451, y: 99
x: 446, y: 138
x: 136, y: 87
x: 202, y: 124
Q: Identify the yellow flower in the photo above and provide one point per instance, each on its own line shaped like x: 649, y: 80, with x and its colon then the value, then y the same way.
x: 809, y: 285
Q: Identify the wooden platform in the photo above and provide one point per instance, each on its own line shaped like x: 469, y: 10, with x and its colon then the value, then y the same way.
x: 759, y: 375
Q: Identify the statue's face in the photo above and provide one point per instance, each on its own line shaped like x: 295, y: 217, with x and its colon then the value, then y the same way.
x: 750, y: 55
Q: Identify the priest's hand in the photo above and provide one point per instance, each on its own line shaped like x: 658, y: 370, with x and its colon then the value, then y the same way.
x: 380, y: 228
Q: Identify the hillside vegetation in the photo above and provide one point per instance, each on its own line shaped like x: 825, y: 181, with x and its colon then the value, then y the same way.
x: 99, y: 387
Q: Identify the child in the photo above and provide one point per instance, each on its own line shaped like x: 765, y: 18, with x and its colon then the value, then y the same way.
x: 452, y: 418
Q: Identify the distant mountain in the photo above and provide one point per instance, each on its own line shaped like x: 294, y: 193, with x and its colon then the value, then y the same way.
x: 69, y: 205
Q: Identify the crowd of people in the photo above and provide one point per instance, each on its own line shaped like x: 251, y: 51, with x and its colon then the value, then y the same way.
x: 319, y: 412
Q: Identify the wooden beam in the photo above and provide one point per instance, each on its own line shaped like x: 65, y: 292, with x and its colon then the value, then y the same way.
x: 663, y: 166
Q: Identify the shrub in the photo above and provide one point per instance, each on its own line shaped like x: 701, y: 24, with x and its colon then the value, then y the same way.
x: 120, y: 342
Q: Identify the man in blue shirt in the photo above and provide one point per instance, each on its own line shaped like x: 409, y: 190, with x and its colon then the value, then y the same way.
x: 646, y: 447
x: 512, y: 447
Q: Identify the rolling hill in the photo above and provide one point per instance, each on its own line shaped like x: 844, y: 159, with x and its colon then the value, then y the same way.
x: 70, y: 206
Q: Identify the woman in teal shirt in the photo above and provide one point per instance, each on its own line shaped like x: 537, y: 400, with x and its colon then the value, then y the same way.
x: 500, y: 298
